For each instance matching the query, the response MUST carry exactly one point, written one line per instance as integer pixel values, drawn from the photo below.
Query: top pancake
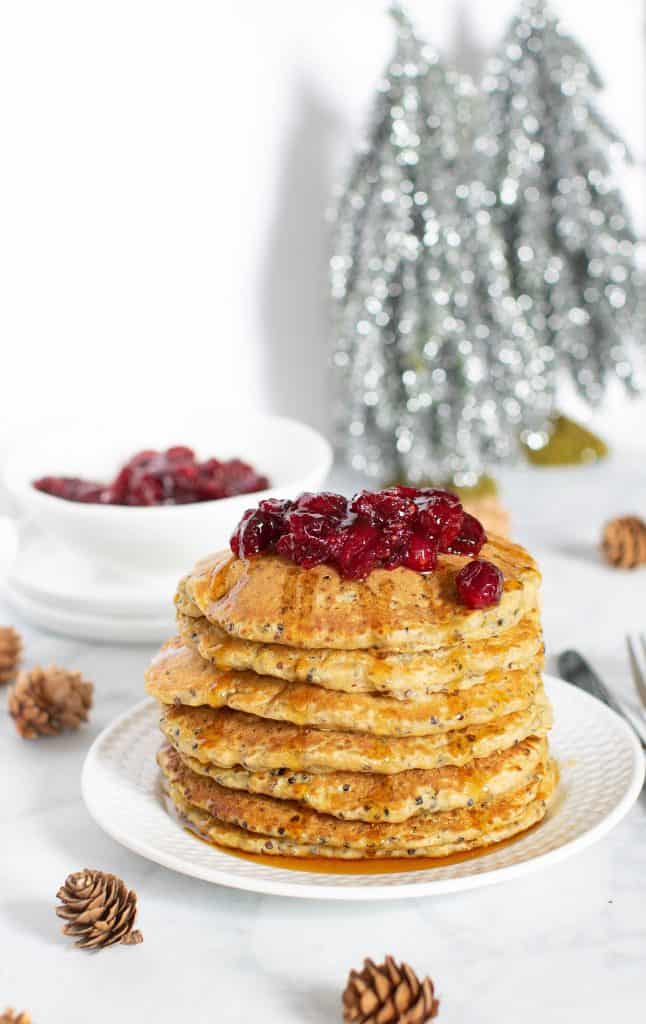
(271, 600)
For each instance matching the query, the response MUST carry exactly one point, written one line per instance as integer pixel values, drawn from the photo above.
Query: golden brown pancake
(231, 738)
(271, 600)
(357, 796)
(403, 676)
(290, 820)
(178, 675)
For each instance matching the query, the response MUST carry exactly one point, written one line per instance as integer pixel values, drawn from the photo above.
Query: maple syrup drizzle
(367, 866)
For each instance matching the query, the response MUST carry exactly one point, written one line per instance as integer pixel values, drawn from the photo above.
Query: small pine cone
(45, 701)
(10, 651)
(99, 908)
(388, 993)
(624, 542)
(11, 1017)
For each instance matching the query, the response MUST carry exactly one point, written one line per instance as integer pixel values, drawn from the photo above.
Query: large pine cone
(388, 994)
(99, 908)
(11, 1017)
(624, 542)
(44, 701)
(10, 651)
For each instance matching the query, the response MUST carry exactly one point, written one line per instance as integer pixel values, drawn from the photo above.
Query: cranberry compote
(172, 477)
(398, 526)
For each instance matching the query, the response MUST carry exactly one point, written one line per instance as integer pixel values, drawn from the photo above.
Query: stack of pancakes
(310, 715)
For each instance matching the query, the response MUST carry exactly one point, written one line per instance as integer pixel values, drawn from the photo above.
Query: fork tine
(638, 675)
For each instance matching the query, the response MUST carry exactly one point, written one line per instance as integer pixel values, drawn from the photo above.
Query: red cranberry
(306, 525)
(142, 458)
(393, 544)
(421, 553)
(479, 584)
(471, 537)
(146, 489)
(256, 533)
(358, 556)
(440, 518)
(277, 506)
(287, 547)
(308, 553)
(305, 537)
(186, 474)
(326, 503)
(180, 453)
(384, 506)
(71, 488)
(238, 477)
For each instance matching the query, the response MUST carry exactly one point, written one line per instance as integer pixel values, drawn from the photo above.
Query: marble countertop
(567, 944)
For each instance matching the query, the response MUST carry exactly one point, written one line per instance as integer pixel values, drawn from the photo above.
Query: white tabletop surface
(566, 945)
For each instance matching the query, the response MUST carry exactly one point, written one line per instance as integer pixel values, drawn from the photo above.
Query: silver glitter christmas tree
(437, 371)
(569, 241)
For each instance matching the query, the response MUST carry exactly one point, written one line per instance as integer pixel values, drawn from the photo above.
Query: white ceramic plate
(602, 772)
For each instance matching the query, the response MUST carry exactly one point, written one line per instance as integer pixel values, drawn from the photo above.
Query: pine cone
(11, 1017)
(44, 701)
(388, 994)
(99, 908)
(10, 651)
(624, 542)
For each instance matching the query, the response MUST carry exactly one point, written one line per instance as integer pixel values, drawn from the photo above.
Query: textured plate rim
(308, 885)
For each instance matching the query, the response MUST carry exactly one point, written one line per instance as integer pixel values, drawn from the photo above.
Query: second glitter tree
(437, 371)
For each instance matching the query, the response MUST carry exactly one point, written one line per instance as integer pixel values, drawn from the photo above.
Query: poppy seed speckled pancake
(362, 797)
(402, 676)
(178, 675)
(271, 600)
(230, 738)
(293, 821)
(235, 838)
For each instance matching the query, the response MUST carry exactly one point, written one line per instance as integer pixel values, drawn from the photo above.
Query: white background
(165, 171)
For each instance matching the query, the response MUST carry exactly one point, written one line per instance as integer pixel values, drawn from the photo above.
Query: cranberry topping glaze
(172, 477)
(398, 526)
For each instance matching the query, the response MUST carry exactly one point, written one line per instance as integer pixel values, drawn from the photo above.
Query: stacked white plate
(56, 589)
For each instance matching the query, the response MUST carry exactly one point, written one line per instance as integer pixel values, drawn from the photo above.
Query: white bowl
(164, 540)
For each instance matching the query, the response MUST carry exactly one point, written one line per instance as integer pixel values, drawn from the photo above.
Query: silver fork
(637, 656)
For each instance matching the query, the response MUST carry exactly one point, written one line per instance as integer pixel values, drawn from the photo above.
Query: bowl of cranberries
(135, 499)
